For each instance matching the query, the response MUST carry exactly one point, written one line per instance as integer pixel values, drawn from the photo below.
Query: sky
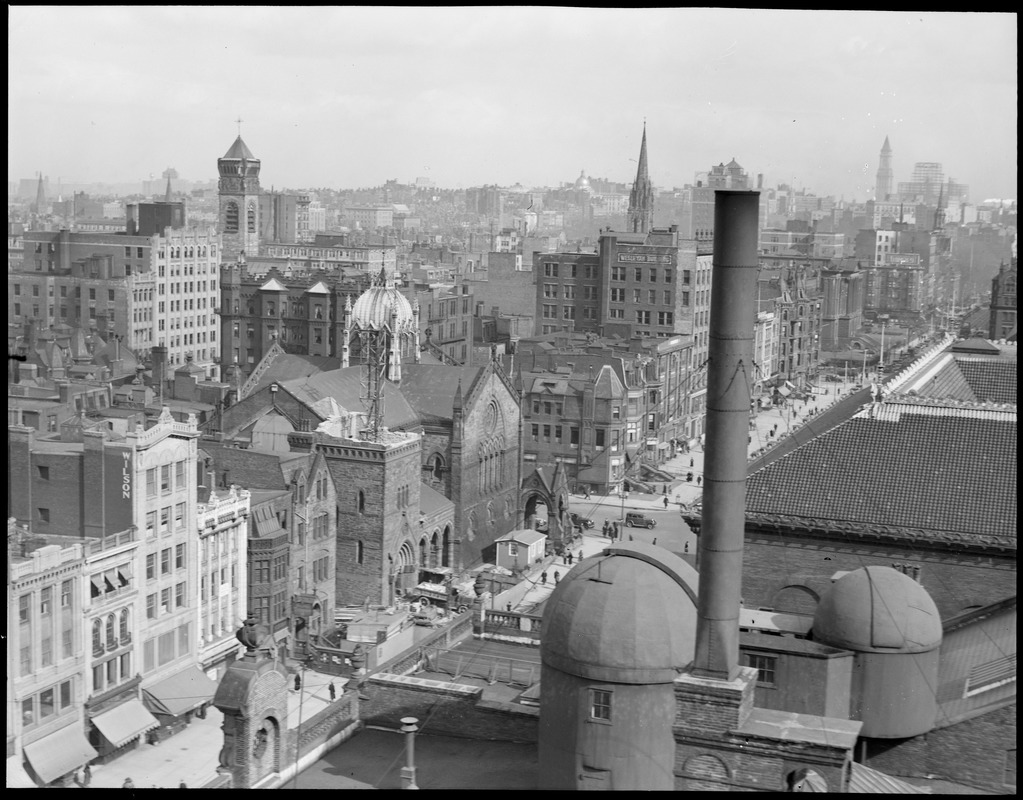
(347, 97)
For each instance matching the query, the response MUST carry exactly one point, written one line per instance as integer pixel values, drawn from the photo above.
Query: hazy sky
(353, 96)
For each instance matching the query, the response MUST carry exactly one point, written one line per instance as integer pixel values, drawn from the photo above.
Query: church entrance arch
(548, 493)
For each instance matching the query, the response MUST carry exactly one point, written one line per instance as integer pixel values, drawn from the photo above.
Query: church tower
(641, 199)
(885, 176)
(239, 202)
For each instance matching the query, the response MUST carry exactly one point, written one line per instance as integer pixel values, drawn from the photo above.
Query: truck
(440, 587)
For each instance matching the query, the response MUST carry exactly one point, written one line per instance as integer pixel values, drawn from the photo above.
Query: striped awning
(180, 693)
(59, 753)
(125, 722)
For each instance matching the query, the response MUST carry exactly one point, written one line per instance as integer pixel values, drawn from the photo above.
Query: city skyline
(352, 97)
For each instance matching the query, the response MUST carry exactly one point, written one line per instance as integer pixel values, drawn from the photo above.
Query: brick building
(1003, 303)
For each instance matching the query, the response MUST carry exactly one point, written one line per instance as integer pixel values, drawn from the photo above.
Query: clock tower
(239, 202)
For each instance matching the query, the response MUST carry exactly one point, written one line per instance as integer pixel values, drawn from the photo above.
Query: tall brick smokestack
(730, 375)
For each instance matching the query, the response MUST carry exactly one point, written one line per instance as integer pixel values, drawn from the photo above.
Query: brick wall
(971, 752)
(955, 581)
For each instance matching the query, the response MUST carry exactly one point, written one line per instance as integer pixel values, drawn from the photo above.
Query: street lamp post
(625, 496)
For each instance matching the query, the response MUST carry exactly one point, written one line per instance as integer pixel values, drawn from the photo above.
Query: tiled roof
(992, 381)
(346, 387)
(430, 389)
(928, 470)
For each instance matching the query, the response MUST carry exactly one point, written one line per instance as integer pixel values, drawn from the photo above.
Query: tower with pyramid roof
(885, 175)
(641, 199)
(239, 202)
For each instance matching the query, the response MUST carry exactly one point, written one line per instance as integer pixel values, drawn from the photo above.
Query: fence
(510, 623)
(493, 669)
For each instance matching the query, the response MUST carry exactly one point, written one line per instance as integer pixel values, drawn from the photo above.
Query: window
(765, 666)
(665, 318)
(179, 595)
(667, 276)
(44, 473)
(618, 295)
(65, 694)
(600, 705)
(636, 295)
(685, 298)
(643, 317)
(600, 436)
(65, 594)
(150, 566)
(618, 273)
(687, 277)
(179, 474)
(46, 601)
(151, 521)
(550, 270)
(573, 436)
(991, 675)
(123, 632)
(44, 514)
(28, 716)
(652, 297)
(151, 606)
(165, 561)
(165, 478)
(179, 516)
(165, 600)
(179, 556)
(165, 519)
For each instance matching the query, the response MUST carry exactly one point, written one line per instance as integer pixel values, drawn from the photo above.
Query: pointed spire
(886, 147)
(40, 196)
(456, 404)
(167, 195)
(641, 199)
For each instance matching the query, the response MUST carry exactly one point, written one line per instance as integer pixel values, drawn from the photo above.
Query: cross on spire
(239, 121)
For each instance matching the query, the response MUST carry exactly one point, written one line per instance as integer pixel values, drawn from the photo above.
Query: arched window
(111, 631)
(270, 309)
(252, 218)
(125, 635)
(438, 467)
(359, 554)
(231, 218)
(362, 502)
(422, 552)
(97, 635)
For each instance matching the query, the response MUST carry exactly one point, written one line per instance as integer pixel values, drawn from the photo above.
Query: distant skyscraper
(641, 199)
(885, 175)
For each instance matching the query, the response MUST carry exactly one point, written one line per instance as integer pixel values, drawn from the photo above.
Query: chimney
(730, 374)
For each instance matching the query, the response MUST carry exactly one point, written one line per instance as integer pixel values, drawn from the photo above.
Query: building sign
(903, 259)
(644, 258)
(118, 488)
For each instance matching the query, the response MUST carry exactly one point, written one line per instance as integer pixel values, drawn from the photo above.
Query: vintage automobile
(636, 520)
(579, 521)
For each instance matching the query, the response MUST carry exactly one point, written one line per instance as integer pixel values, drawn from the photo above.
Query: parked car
(636, 520)
(579, 521)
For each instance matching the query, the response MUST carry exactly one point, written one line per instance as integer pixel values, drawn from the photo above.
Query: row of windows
(165, 520)
(111, 293)
(46, 601)
(117, 632)
(161, 477)
(46, 703)
(217, 579)
(164, 601)
(265, 570)
(166, 561)
(166, 647)
(321, 569)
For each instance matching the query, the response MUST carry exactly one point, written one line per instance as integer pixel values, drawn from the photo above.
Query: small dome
(372, 311)
(626, 615)
(582, 182)
(878, 610)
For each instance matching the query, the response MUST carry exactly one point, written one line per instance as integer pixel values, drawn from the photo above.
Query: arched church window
(252, 218)
(97, 635)
(359, 554)
(362, 502)
(125, 635)
(437, 468)
(270, 308)
(231, 218)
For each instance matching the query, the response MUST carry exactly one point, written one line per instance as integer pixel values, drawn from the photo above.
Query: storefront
(174, 701)
(54, 758)
(120, 728)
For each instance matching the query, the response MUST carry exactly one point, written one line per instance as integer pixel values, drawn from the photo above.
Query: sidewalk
(192, 755)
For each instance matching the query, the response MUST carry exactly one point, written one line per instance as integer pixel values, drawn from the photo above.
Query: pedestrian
(630, 537)
(614, 532)
(543, 577)
(557, 577)
(606, 526)
(664, 489)
(685, 549)
(689, 477)
(87, 774)
(298, 682)
(508, 607)
(333, 691)
(690, 462)
(128, 784)
(666, 501)
(699, 479)
(655, 540)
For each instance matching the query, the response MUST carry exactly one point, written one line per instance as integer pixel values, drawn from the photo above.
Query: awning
(180, 692)
(126, 722)
(59, 753)
(783, 391)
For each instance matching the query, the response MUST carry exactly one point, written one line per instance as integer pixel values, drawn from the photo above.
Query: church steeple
(40, 196)
(641, 199)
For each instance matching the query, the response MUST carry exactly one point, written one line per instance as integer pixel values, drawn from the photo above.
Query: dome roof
(878, 610)
(626, 615)
(582, 182)
(373, 309)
